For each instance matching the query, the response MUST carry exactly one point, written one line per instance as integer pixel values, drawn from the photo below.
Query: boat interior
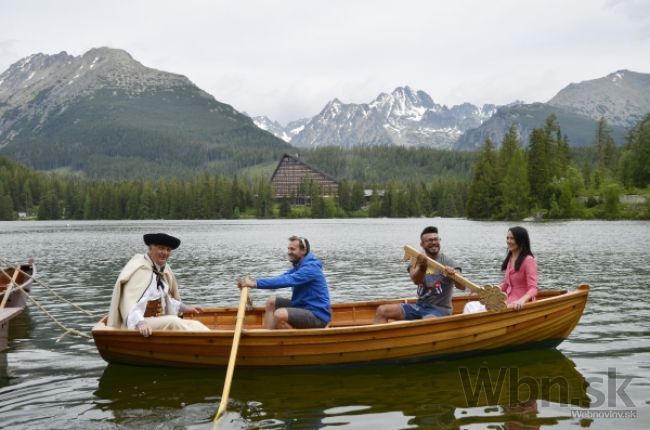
(343, 314)
(8, 272)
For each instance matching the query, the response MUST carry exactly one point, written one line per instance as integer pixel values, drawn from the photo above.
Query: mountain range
(410, 118)
(105, 115)
(622, 98)
(404, 117)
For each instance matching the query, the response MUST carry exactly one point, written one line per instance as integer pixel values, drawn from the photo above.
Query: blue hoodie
(309, 286)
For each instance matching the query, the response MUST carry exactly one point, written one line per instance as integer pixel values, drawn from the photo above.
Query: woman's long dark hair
(522, 240)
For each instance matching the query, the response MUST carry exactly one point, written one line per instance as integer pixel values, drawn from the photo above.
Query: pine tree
(387, 201)
(482, 201)
(508, 148)
(344, 195)
(6, 205)
(133, 192)
(357, 196)
(539, 169)
(146, 207)
(557, 147)
(49, 208)
(425, 201)
(400, 204)
(27, 196)
(374, 208)
(638, 147)
(605, 146)
(586, 174)
(413, 200)
(88, 207)
(515, 188)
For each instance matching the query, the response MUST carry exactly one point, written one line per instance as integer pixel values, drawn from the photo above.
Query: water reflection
(501, 389)
(21, 327)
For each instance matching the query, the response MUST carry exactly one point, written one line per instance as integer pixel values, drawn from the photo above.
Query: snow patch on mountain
(274, 127)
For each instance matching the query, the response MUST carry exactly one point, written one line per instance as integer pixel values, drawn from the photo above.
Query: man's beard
(432, 251)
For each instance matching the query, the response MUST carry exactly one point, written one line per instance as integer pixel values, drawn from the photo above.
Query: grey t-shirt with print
(436, 290)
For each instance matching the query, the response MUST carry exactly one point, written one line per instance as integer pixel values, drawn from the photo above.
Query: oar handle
(411, 253)
(233, 356)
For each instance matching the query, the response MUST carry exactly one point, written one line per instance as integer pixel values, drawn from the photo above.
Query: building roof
(297, 159)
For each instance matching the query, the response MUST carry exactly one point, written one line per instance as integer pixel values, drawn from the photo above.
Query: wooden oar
(233, 356)
(490, 295)
(9, 287)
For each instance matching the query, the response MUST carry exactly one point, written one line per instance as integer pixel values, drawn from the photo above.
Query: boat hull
(351, 338)
(6, 314)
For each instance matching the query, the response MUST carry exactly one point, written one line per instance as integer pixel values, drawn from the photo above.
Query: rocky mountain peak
(113, 54)
(274, 127)
(403, 102)
(335, 105)
(40, 85)
(403, 117)
(407, 96)
(622, 97)
(617, 76)
(68, 76)
(28, 71)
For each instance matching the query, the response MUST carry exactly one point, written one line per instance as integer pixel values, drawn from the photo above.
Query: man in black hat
(146, 294)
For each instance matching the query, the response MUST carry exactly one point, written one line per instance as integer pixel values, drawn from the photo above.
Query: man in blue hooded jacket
(309, 306)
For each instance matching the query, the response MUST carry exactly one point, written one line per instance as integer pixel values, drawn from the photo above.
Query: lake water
(603, 368)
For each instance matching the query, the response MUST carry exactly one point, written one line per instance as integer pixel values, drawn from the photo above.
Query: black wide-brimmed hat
(161, 239)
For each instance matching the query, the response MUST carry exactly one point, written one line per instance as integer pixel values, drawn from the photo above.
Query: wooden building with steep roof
(292, 172)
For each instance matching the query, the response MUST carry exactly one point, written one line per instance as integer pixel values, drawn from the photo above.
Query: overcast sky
(287, 59)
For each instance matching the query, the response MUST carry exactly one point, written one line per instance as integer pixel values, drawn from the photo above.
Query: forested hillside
(127, 143)
(386, 163)
(543, 179)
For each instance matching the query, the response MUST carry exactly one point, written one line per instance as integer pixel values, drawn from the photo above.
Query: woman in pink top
(520, 272)
(520, 278)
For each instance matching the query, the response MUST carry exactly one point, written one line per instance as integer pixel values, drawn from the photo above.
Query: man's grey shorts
(299, 317)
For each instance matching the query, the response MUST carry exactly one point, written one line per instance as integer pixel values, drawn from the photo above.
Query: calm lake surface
(603, 368)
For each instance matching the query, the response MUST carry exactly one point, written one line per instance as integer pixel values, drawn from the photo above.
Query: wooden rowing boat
(351, 337)
(17, 297)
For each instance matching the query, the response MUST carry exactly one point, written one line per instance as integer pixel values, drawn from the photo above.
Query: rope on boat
(66, 330)
(50, 289)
